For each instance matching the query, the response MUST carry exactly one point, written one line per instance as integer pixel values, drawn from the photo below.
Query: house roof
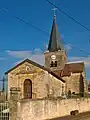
(55, 43)
(37, 65)
(70, 68)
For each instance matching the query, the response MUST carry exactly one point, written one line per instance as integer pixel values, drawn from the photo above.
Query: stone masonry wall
(56, 87)
(85, 83)
(60, 58)
(43, 83)
(73, 82)
(17, 77)
(42, 109)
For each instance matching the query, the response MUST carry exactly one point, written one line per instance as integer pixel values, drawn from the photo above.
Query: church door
(27, 89)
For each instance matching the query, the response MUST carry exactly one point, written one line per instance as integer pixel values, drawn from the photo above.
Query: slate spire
(55, 43)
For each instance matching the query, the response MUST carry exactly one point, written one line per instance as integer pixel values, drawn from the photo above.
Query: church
(54, 79)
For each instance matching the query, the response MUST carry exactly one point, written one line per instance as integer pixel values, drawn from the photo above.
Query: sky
(20, 40)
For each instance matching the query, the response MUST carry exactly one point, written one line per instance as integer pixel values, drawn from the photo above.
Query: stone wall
(61, 59)
(17, 77)
(3, 96)
(43, 83)
(73, 82)
(56, 87)
(42, 109)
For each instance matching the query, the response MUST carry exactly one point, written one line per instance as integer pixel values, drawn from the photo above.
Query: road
(82, 116)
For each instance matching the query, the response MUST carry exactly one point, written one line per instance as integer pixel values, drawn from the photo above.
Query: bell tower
(55, 56)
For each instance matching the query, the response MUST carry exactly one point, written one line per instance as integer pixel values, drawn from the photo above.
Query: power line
(69, 16)
(77, 48)
(24, 21)
(31, 25)
(39, 29)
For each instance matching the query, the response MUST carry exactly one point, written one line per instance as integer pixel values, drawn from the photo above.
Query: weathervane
(54, 10)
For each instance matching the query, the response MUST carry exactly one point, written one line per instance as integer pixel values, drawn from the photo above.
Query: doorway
(27, 89)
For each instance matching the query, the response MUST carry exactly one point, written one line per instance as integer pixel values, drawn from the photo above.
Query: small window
(55, 63)
(51, 64)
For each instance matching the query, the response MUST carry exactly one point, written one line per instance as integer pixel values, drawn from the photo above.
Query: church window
(51, 64)
(55, 63)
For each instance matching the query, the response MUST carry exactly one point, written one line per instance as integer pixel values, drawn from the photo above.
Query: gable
(25, 66)
(28, 66)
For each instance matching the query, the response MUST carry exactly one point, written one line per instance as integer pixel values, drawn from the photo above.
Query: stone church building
(55, 78)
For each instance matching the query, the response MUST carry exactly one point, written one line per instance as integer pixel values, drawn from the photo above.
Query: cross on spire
(54, 11)
(55, 43)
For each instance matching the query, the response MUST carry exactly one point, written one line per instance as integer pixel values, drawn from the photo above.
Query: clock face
(53, 57)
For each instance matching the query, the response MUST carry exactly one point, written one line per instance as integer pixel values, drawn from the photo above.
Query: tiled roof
(70, 68)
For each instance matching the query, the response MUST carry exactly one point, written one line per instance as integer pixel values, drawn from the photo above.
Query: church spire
(55, 43)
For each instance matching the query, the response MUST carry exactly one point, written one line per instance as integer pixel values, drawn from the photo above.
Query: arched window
(27, 89)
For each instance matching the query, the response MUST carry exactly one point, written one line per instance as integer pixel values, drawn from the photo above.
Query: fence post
(13, 108)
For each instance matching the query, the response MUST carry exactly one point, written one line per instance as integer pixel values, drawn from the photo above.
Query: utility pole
(3, 81)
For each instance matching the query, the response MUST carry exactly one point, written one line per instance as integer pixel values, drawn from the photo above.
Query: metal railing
(4, 111)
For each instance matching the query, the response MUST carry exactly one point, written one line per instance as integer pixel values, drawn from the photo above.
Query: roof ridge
(74, 62)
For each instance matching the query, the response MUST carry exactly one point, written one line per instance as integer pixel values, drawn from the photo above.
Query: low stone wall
(42, 109)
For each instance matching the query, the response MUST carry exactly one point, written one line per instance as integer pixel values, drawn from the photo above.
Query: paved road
(82, 116)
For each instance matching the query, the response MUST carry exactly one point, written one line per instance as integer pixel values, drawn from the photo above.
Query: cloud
(14, 64)
(36, 55)
(86, 60)
(37, 51)
(23, 54)
(39, 58)
(19, 54)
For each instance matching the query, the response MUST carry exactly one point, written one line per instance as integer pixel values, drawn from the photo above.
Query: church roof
(71, 68)
(37, 65)
(55, 43)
